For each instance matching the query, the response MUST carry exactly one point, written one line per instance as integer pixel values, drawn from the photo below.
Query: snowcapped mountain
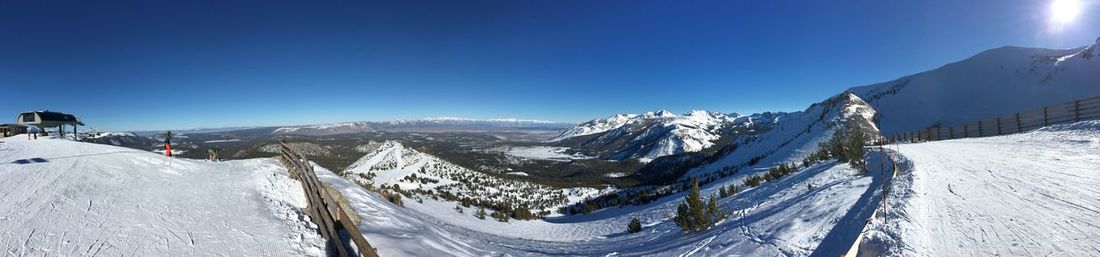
(794, 135)
(595, 126)
(427, 124)
(995, 82)
(390, 164)
(655, 134)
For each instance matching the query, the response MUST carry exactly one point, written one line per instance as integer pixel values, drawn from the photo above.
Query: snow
(113, 134)
(797, 134)
(66, 198)
(1031, 194)
(655, 134)
(544, 153)
(595, 126)
(992, 83)
(782, 217)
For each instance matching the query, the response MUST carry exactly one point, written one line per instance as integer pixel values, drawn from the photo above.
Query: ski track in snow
(1032, 194)
(82, 199)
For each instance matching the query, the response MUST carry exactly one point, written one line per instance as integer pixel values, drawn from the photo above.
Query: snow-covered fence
(333, 221)
(1067, 112)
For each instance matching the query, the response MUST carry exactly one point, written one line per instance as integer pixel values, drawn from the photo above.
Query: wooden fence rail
(323, 210)
(1067, 112)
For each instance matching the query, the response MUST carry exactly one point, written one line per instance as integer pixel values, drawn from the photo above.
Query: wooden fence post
(1019, 128)
(1077, 111)
(979, 128)
(1045, 121)
(998, 126)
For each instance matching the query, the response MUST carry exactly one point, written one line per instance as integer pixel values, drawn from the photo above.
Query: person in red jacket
(168, 144)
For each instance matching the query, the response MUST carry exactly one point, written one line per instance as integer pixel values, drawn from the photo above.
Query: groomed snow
(1031, 194)
(65, 198)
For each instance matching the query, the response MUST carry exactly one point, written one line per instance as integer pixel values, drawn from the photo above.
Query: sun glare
(1063, 12)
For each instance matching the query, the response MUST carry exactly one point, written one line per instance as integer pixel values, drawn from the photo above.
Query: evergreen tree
(481, 213)
(635, 225)
(854, 146)
(695, 215)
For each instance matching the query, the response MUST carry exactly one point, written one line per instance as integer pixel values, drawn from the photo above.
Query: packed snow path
(1032, 194)
(65, 198)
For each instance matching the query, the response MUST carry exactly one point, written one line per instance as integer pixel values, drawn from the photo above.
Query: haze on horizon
(140, 65)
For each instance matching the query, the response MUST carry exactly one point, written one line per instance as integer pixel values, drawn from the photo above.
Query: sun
(1063, 12)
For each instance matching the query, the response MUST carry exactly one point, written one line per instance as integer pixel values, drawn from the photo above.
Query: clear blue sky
(151, 65)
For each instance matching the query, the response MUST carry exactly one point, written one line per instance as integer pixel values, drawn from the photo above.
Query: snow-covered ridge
(391, 163)
(992, 83)
(654, 134)
(796, 135)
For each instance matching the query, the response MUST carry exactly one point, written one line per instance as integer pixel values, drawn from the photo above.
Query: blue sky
(146, 65)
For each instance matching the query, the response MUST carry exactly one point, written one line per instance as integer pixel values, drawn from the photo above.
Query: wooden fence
(1068, 112)
(333, 221)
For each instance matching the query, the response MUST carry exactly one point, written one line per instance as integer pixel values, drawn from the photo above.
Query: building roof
(55, 118)
(11, 126)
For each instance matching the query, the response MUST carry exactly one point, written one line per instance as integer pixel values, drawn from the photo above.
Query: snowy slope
(992, 83)
(595, 126)
(391, 163)
(1032, 194)
(795, 135)
(778, 218)
(65, 198)
(655, 134)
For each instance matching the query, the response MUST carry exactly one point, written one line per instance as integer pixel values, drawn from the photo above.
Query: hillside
(390, 164)
(992, 83)
(656, 134)
(793, 137)
(1031, 194)
(59, 197)
(777, 218)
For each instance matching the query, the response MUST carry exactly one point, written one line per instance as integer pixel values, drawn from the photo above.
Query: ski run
(1017, 195)
(64, 198)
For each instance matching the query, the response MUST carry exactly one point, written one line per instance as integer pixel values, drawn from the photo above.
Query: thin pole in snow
(882, 172)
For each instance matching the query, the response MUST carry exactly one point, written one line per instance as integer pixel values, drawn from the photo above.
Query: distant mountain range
(655, 134)
(426, 125)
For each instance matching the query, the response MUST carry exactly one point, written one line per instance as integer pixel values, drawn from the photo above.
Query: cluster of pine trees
(695, 215)
(848, 147)
(727, 191)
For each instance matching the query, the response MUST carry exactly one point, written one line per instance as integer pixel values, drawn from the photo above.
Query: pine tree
(722, 192)
(854, 146)
(635, 225)
(481, 213)
(695, 215)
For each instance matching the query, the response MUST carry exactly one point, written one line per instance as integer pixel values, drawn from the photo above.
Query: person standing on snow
(168, 144)
(32, 132)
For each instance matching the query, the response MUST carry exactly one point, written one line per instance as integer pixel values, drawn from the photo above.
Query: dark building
(12, 129)
(48, 119)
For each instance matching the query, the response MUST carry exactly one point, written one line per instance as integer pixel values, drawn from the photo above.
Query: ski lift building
(48, 119)
(12, 129)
